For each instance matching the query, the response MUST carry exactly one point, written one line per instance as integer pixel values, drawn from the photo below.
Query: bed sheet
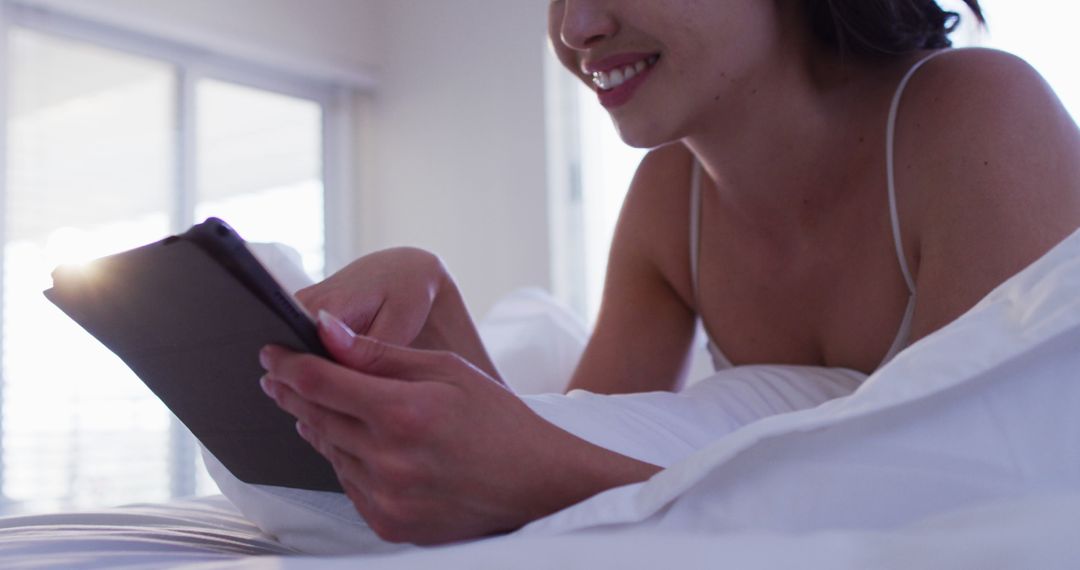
(1034, 532)
(137, 536)
(207, 534)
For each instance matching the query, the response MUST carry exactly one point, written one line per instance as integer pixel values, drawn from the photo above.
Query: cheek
(735, 56)
(739, 34)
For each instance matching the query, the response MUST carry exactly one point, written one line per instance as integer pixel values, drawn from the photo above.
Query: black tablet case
(192, 331)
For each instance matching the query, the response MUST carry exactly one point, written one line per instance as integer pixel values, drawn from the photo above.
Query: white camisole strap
(903, 336)
(720, 361)
(890, 168)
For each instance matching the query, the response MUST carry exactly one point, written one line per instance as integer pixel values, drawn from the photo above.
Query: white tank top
(720, 361)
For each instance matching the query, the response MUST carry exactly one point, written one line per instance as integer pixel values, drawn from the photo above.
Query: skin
(426, 312)
(797, 259)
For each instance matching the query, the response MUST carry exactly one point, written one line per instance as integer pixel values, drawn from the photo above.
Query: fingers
(322, 427)
(350, 469)
(379, 358)
(342, 440)
(351, 472)
(327, 384)
(377, 500)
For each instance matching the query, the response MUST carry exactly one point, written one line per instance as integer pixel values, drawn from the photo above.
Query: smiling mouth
(608, 80)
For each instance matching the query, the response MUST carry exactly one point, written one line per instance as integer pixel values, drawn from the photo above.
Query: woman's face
(660, 67)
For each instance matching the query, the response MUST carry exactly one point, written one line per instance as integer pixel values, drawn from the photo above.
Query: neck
(772, 147)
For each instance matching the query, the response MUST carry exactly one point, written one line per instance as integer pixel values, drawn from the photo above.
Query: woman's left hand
(429, 448)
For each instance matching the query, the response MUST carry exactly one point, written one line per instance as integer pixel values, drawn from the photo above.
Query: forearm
(581, 470)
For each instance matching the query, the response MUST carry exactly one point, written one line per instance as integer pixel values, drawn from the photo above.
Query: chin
(644, 136)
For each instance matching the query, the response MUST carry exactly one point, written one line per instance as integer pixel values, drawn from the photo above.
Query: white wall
(451, 143)
(458, 143)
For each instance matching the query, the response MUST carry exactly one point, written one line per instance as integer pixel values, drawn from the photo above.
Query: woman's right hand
(402, 296)
(387, 295)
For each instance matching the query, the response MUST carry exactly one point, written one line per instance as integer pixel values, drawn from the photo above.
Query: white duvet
(963, 452)
(981, 415)
(986, 410)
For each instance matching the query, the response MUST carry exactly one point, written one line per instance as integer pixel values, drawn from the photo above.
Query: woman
(849, 187)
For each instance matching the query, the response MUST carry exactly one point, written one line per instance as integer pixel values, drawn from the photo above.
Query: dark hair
(884, 27)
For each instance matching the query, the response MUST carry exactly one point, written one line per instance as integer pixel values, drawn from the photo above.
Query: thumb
(370, 355)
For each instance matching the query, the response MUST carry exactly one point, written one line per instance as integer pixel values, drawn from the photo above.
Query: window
(590, 170)
(259, 166)
(607, 166)
(114, 141)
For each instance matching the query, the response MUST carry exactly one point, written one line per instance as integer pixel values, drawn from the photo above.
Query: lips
(617, 77)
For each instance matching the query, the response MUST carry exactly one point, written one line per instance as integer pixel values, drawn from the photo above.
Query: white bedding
(137, 536)
(963, 452)
(1032, 533)
(1036, 532)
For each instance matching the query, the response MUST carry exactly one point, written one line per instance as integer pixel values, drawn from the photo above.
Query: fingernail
(264, 358)
(303, 430)
(341, 334)
(267, 386)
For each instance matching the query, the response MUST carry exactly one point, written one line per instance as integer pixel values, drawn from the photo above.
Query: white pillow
(283, 262)
(663, 428)
(658, 427)
(314, 522)
(534, 341)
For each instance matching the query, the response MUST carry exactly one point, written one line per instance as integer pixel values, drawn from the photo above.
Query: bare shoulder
(982, 127)
(970, 106)
(980, 90)
(988, 161)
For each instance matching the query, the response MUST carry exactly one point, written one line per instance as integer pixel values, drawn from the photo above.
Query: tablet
(188, 315)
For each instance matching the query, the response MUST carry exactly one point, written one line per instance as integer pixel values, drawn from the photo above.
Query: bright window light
(93, 156)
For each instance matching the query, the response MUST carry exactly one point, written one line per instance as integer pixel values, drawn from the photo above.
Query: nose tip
(587, 26)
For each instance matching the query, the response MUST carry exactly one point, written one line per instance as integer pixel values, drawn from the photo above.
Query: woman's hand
(429, 448)
(403, 296)
(387, 295)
